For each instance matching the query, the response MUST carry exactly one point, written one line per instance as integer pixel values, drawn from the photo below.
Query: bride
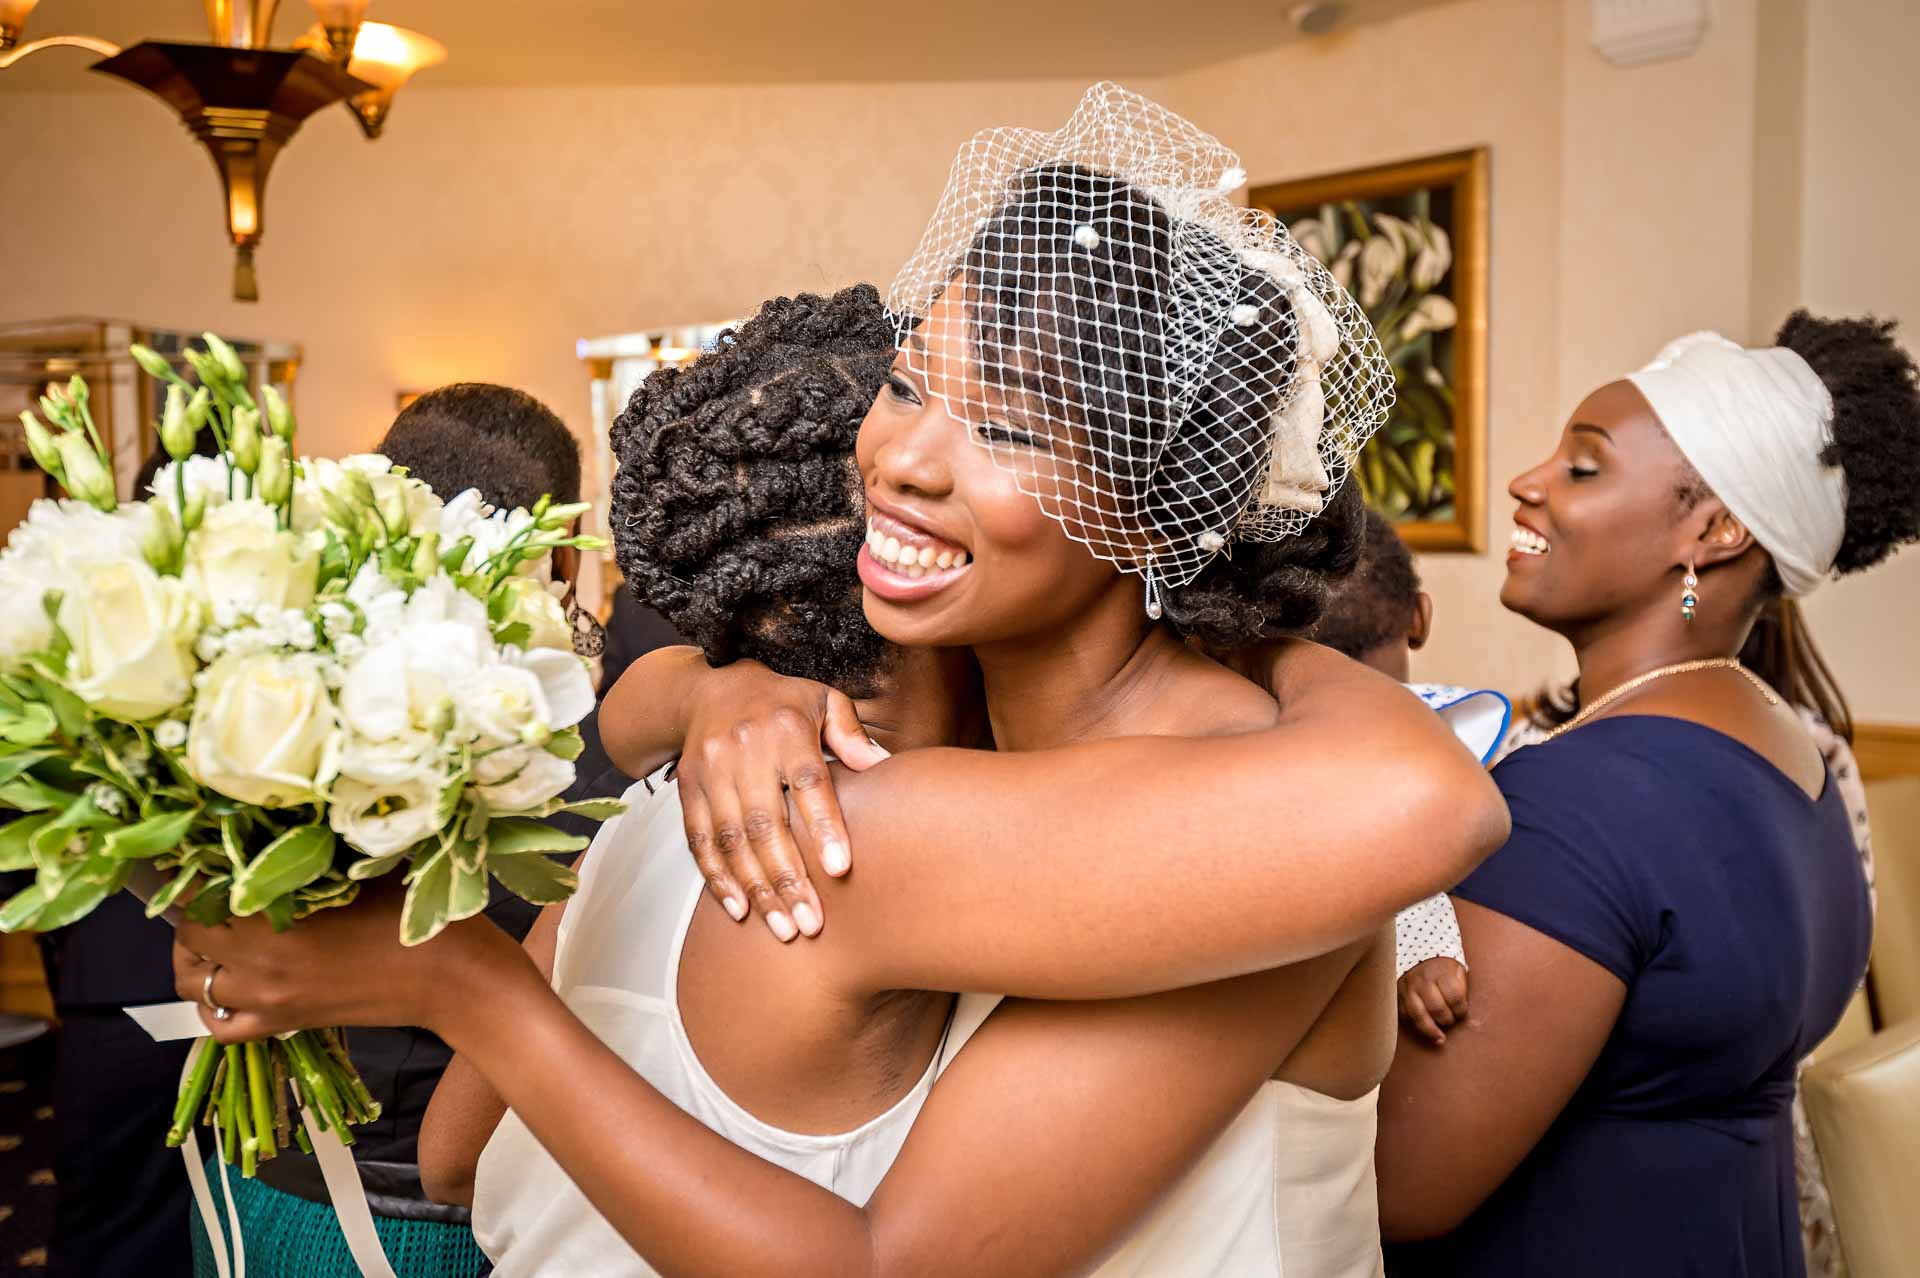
(1049, 435)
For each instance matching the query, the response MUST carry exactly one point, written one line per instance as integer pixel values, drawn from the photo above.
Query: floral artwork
(1409, 243)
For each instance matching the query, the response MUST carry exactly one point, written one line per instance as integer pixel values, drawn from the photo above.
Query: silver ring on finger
(206, 996)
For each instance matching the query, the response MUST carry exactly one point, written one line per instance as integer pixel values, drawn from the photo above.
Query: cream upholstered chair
(1893, 809)
(1864, 1104)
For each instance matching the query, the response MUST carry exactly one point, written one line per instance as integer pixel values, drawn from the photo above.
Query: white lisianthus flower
(413, 756)
(382, 604)
(563, 680)
(384, 819)
(206, 477)
(519, 777)
(468, 515)
(132, 633)
(503, 705)
(403, 682)
(25, 627)
(535, 607)
(240, 557)
(264, 730)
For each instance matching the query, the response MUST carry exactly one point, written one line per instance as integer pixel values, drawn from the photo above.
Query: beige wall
(490, 229)
(1860, 255)
(1440, 80)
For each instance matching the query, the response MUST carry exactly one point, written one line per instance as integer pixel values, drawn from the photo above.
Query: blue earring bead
(1689, 601)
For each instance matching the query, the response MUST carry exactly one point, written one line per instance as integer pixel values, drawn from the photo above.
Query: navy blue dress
(1734, 909)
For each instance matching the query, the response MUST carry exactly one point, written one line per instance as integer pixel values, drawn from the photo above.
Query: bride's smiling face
(956, 554)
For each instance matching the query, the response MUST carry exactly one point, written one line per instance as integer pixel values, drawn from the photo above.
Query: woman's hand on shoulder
(754, 740)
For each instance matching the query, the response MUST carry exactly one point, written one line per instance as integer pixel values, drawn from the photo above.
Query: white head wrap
(1754, 423)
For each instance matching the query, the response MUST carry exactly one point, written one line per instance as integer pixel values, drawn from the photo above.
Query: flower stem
(194, 1092)
(259, 1089)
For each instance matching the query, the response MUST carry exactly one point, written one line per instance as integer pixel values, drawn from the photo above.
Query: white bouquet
(271, 681)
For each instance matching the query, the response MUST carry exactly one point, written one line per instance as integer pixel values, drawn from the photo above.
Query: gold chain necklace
(1684, 667)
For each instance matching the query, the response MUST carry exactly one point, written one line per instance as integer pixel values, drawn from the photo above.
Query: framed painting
(1409, 242)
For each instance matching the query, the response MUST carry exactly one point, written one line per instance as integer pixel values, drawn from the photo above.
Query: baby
(1380, 616)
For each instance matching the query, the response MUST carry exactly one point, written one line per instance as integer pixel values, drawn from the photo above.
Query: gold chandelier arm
(104, 48)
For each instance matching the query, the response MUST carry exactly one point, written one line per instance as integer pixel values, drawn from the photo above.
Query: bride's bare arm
(1057, 1127)
(1122, 867)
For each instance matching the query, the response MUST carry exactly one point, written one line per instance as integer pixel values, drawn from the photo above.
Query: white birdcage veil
(1165, 371)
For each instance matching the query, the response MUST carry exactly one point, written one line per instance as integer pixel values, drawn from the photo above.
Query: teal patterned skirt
(289, 1237)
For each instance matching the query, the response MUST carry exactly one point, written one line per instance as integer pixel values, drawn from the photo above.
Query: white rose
(535, 607)
(24, 625)
(520, 777)
(240, 557)
(382, 820)
(264, 730)
(132, 633)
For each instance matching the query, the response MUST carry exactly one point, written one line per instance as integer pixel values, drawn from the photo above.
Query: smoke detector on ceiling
(1317, 17)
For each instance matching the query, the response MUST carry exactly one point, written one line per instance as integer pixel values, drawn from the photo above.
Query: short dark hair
(738, 508)
(1378, 602)
(451, 459)
(430, 432)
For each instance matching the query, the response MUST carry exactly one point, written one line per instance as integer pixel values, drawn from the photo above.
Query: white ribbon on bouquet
(170, 1022)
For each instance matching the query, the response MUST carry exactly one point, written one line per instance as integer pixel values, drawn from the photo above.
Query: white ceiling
(565, 42)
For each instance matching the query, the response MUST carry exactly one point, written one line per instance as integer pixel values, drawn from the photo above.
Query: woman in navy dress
(1680, 913)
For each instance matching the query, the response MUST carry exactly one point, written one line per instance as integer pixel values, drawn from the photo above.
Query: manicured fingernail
(835, 859)
(736, 907)
(884, 752)
(809, 921)
(781, 925)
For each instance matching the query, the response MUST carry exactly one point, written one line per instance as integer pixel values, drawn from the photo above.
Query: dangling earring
(1689, 601)
(589, 636)
(1153, 594)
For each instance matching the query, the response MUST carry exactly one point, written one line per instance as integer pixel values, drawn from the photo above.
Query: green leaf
(19, 913)
(50, 840)
(293, 860)
(16, 852)
(450, 799)
(374, 866)
(455, 555)
(28, 793)
(425, 911)
(163, 900)
(514, 636)
(69, 710)
(209, 908)
(591, 809)
(536, 879)
(97, 879)
(467, 854)
(511, 836)
(566, 744)
(150, 837)
(280, 912)
(32, 725)
(467, 895)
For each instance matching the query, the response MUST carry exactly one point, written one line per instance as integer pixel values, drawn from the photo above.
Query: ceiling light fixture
(244, 100)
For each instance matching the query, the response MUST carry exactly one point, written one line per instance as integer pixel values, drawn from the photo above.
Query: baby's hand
(1433, 996)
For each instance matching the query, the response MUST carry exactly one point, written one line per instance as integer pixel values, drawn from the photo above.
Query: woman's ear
(1723, 538)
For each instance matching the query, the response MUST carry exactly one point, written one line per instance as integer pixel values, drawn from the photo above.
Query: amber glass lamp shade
(13, 20)
(386, 57)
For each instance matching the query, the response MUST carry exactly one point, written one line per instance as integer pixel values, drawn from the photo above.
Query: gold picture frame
(1425, 287)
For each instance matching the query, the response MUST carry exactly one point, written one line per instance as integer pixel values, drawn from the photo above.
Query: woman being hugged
(1680, 914)
(1107, 374)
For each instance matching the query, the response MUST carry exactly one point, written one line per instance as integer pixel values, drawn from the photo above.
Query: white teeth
(959, 559)
(890, 550)
(1529, 542)
(944, 559)
(911, 561)
(926, 556)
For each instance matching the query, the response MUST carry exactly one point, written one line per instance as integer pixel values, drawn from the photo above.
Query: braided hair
(738, 508)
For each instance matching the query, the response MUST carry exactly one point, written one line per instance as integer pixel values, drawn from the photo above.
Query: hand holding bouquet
(270, 682)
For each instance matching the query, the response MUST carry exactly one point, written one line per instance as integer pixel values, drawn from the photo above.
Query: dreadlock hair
(738, 508)
(1377, 604)
(1875, 388)
(1084, 357)
(451, 417)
